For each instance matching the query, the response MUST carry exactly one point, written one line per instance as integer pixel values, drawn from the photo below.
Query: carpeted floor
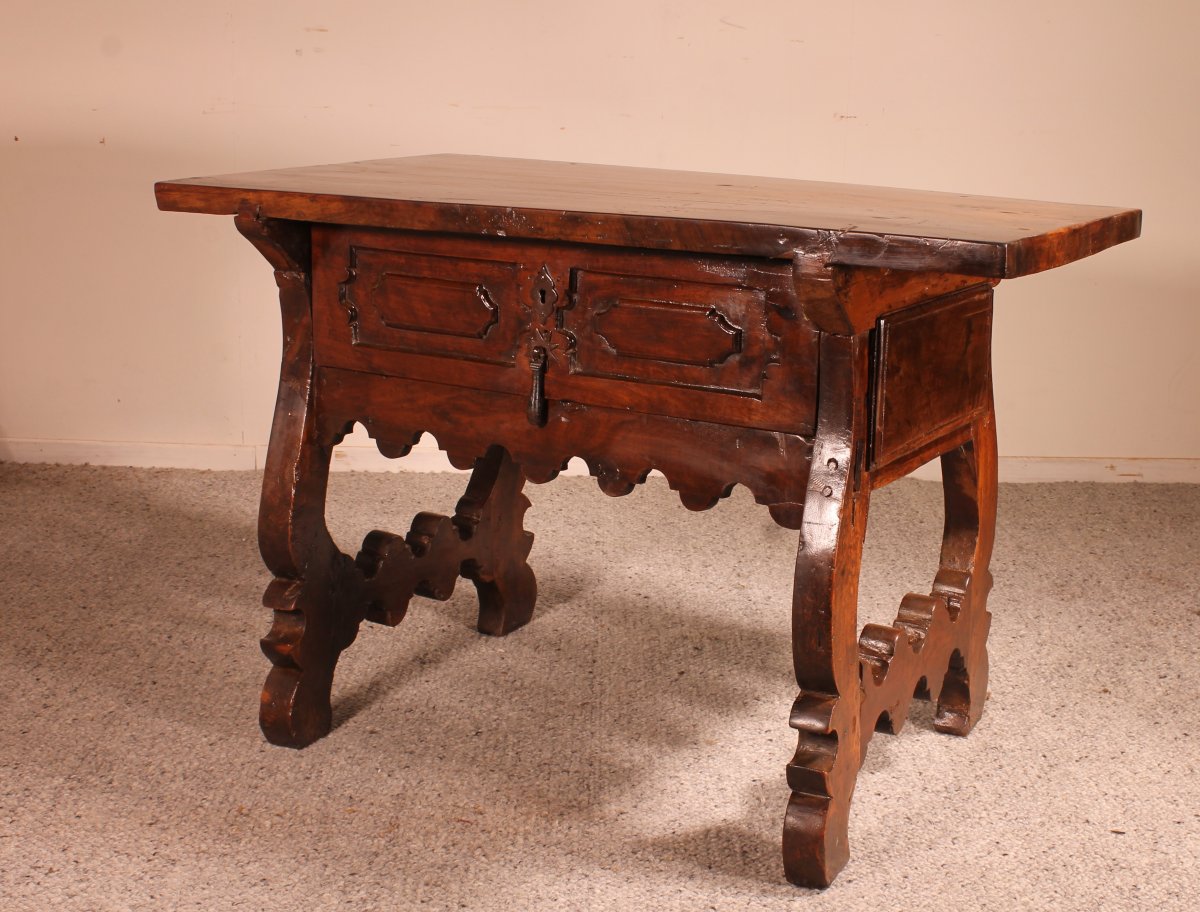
(624, 751)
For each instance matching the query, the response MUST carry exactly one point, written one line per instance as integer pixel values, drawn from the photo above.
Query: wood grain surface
(676, 210)
(812, 342)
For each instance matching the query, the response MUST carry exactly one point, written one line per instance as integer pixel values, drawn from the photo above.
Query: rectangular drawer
(706, 338)
(415, 306)
(439, 305)
(655, 330)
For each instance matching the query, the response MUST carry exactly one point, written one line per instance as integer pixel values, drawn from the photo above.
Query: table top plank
(673, 210)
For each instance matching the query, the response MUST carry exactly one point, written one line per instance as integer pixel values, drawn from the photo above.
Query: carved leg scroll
(320, 595)
(312, 620)
(936, 648)
(963, 580)
(484, 542)
(825, 627)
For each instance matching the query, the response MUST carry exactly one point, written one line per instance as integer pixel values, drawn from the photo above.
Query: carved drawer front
(441, 305)
(704, 338)
(669, 332)
(420, 306)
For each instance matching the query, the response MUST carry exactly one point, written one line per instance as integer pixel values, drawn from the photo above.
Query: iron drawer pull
(536, 412)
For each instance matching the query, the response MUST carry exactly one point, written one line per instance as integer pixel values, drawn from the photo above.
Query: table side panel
(932, 372)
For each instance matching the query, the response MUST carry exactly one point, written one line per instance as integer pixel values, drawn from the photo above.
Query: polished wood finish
(616, 326)
(319, 595)
(932, 371)
(853, 684)
(620, 446)
(877, 227)
(809, 341)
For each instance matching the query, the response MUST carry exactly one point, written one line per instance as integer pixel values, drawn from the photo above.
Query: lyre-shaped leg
(937, 646)
(319, 595)
(824, 625)
(317, 613)
(312, 620)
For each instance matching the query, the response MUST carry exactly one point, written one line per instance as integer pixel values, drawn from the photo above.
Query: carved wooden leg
(484, 542)
(493, 508)
(936, 648)
(963, 580)
(821, 775)
(319, 595)
(318, 611)
(313, 593)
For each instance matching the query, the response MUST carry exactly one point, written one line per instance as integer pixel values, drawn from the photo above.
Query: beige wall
(129, 328)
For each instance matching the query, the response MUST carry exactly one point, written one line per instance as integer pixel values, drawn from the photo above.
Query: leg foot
(815, 847)
(505, 601)
(821, 775)
(311, 628)
(963, 692)
(295, 708)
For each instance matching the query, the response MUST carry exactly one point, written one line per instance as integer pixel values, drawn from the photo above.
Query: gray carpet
(624, 751)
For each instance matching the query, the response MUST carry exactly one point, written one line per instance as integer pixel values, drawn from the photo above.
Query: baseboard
(1034, 469)
(359, 455)
(120, 453)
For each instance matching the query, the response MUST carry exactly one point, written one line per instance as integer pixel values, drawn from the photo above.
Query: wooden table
(810, 341)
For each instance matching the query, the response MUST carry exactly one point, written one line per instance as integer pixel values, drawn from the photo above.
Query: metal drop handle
(536, 411)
